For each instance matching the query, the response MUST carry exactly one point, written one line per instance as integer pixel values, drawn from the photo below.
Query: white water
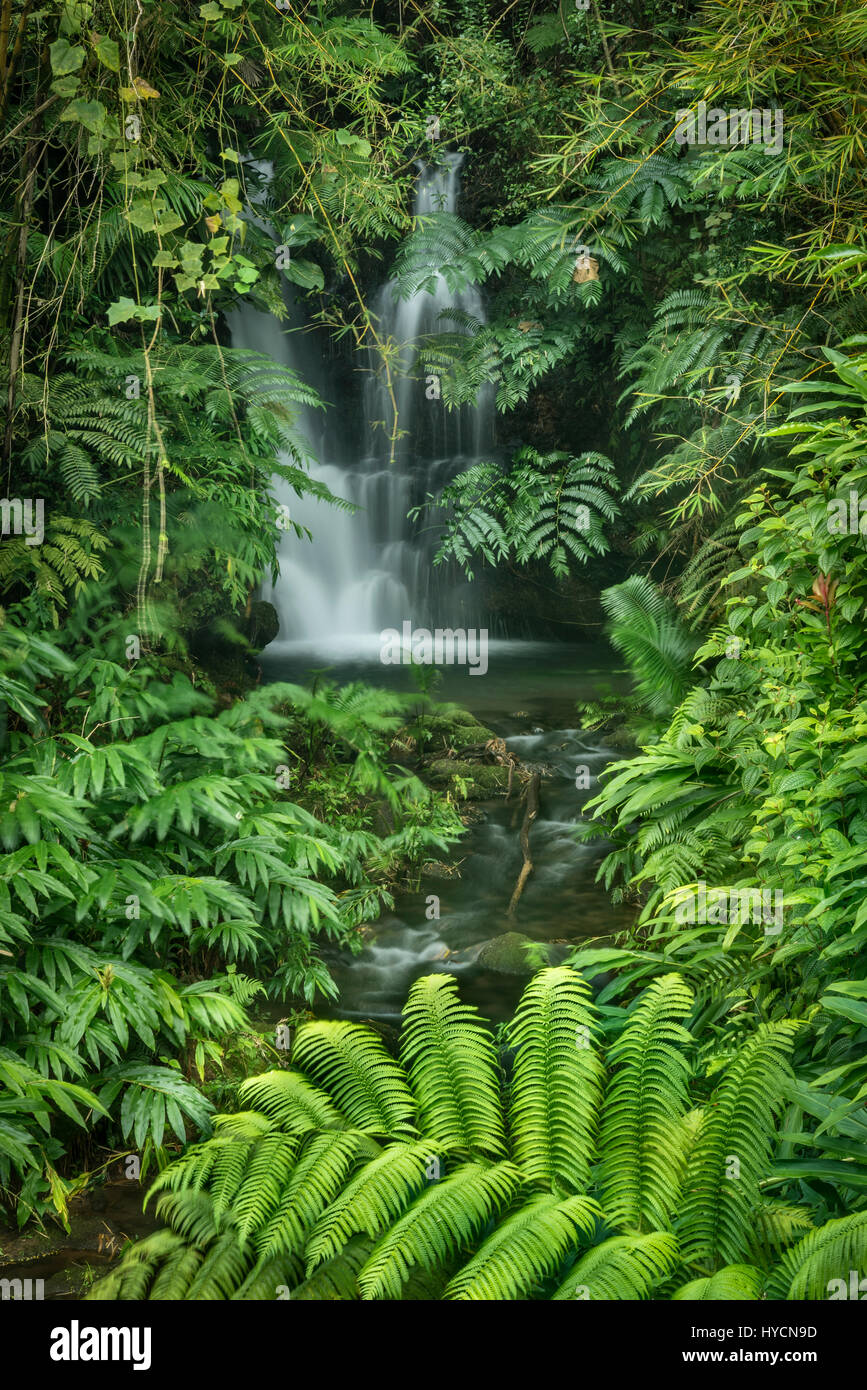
(370, 569)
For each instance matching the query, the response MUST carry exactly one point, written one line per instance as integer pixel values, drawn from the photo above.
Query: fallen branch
(530, 813)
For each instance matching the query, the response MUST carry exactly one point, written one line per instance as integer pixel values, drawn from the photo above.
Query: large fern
(293, 1192)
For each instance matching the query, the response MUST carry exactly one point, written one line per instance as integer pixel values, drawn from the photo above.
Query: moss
(483, 781)
(453, 730)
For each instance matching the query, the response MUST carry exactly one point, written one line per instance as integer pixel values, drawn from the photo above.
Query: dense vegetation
(676, 336)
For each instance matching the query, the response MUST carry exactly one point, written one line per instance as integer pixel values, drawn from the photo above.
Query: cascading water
(370, 569)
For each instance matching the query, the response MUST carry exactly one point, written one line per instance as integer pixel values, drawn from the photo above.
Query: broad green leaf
(65, 58)
(90, 114)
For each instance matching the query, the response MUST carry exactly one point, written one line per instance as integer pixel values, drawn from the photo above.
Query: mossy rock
(458, 730)
(483, 781)
(505, 955)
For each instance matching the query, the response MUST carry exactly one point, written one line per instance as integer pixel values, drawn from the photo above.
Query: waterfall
(371, 569)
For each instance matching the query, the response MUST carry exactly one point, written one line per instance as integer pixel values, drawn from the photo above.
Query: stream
(528, 698)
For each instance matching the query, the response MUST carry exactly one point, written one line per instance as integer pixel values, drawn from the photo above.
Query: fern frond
(291, 1101)
(732, 1150)
(557, 1080)
(732, 1282)
(825, 1255)
(647, 1097)
(351, 1063)
(452, 1066)
(621, 1268)
(525, 1250)
(377, 1196)
(439, 1223)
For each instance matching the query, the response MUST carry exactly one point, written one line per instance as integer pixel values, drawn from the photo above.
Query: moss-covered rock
(478, 781)
(458, 730)
(506, 954)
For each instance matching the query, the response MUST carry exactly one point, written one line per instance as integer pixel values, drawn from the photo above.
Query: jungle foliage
(675, 336)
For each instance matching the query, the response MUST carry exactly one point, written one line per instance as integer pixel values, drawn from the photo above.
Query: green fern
(732, 1149)
(525, 1250)
(452, 1068)
(732, 1282)
(644, 627)
(557, 1081)
(827, 1254)
(624, 1267)
(641, 1143)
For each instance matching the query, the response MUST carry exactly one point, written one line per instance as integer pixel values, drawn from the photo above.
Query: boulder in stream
(506, 954)
(456, 729)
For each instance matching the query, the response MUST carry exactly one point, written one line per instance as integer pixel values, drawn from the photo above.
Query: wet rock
(506, 954)
(261, 625)
(458, 730)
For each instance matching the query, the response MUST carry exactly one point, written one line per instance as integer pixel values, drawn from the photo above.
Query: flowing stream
(528, 698)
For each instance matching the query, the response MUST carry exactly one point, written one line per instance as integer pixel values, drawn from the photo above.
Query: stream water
(528, 698)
